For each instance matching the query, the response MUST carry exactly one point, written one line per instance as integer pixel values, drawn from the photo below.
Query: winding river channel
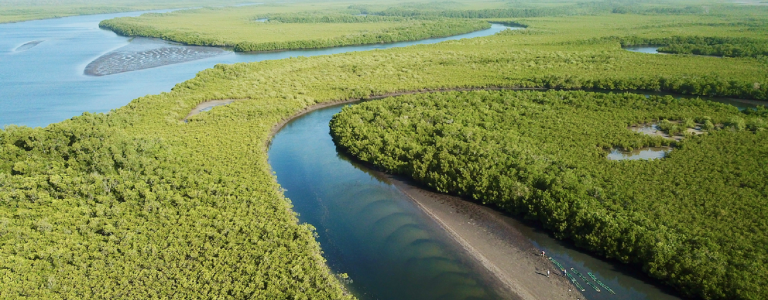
(367, 226)
(48, 74)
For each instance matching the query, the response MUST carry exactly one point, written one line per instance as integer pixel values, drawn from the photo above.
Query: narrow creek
(367, 227)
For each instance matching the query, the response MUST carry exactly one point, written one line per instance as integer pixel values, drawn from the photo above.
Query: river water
(46, 83)
(366, 226)
(369, 229)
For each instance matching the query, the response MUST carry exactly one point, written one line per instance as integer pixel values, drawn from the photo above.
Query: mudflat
(121, 61)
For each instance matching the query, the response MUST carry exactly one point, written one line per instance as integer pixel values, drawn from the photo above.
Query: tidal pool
(207, 106)
(649, 129)
(646, 153)
(644, 49)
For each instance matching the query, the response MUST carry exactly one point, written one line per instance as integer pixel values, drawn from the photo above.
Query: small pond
(646, 153)
(648, 129)
(644, 49)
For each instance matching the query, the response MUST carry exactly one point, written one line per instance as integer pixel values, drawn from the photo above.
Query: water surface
(644, 49)
(628, 282)
(369, 229)
(366, 226)
(47, 83)
(645, 153)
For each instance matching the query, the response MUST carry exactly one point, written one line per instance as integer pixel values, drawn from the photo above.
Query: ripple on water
(367, 227)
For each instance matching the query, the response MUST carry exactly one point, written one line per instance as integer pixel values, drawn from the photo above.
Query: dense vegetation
(237, 28)
(713, 46)
(696, 219)
(331, 18)
(138, 203)
(89, 211)
(412, 31)
(521, 10)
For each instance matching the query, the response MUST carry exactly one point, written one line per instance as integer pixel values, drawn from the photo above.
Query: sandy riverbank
(490, 239)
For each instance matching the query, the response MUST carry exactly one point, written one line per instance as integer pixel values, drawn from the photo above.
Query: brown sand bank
(497, 245)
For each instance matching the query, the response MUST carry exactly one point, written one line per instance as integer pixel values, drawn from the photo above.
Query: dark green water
(366, 226)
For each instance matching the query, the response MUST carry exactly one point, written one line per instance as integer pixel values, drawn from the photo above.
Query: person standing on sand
(547, 273)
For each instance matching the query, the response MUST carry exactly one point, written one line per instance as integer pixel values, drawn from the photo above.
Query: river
(367, 227)
(46, 83)
(371, 230)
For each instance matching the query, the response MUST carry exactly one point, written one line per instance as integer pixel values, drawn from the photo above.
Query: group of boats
(576, 282)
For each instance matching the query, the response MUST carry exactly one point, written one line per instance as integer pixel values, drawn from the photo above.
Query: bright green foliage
(696, 219)
(417, 30)
(90, 211)
(330, 18)
(713, 46)
(237, 28)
